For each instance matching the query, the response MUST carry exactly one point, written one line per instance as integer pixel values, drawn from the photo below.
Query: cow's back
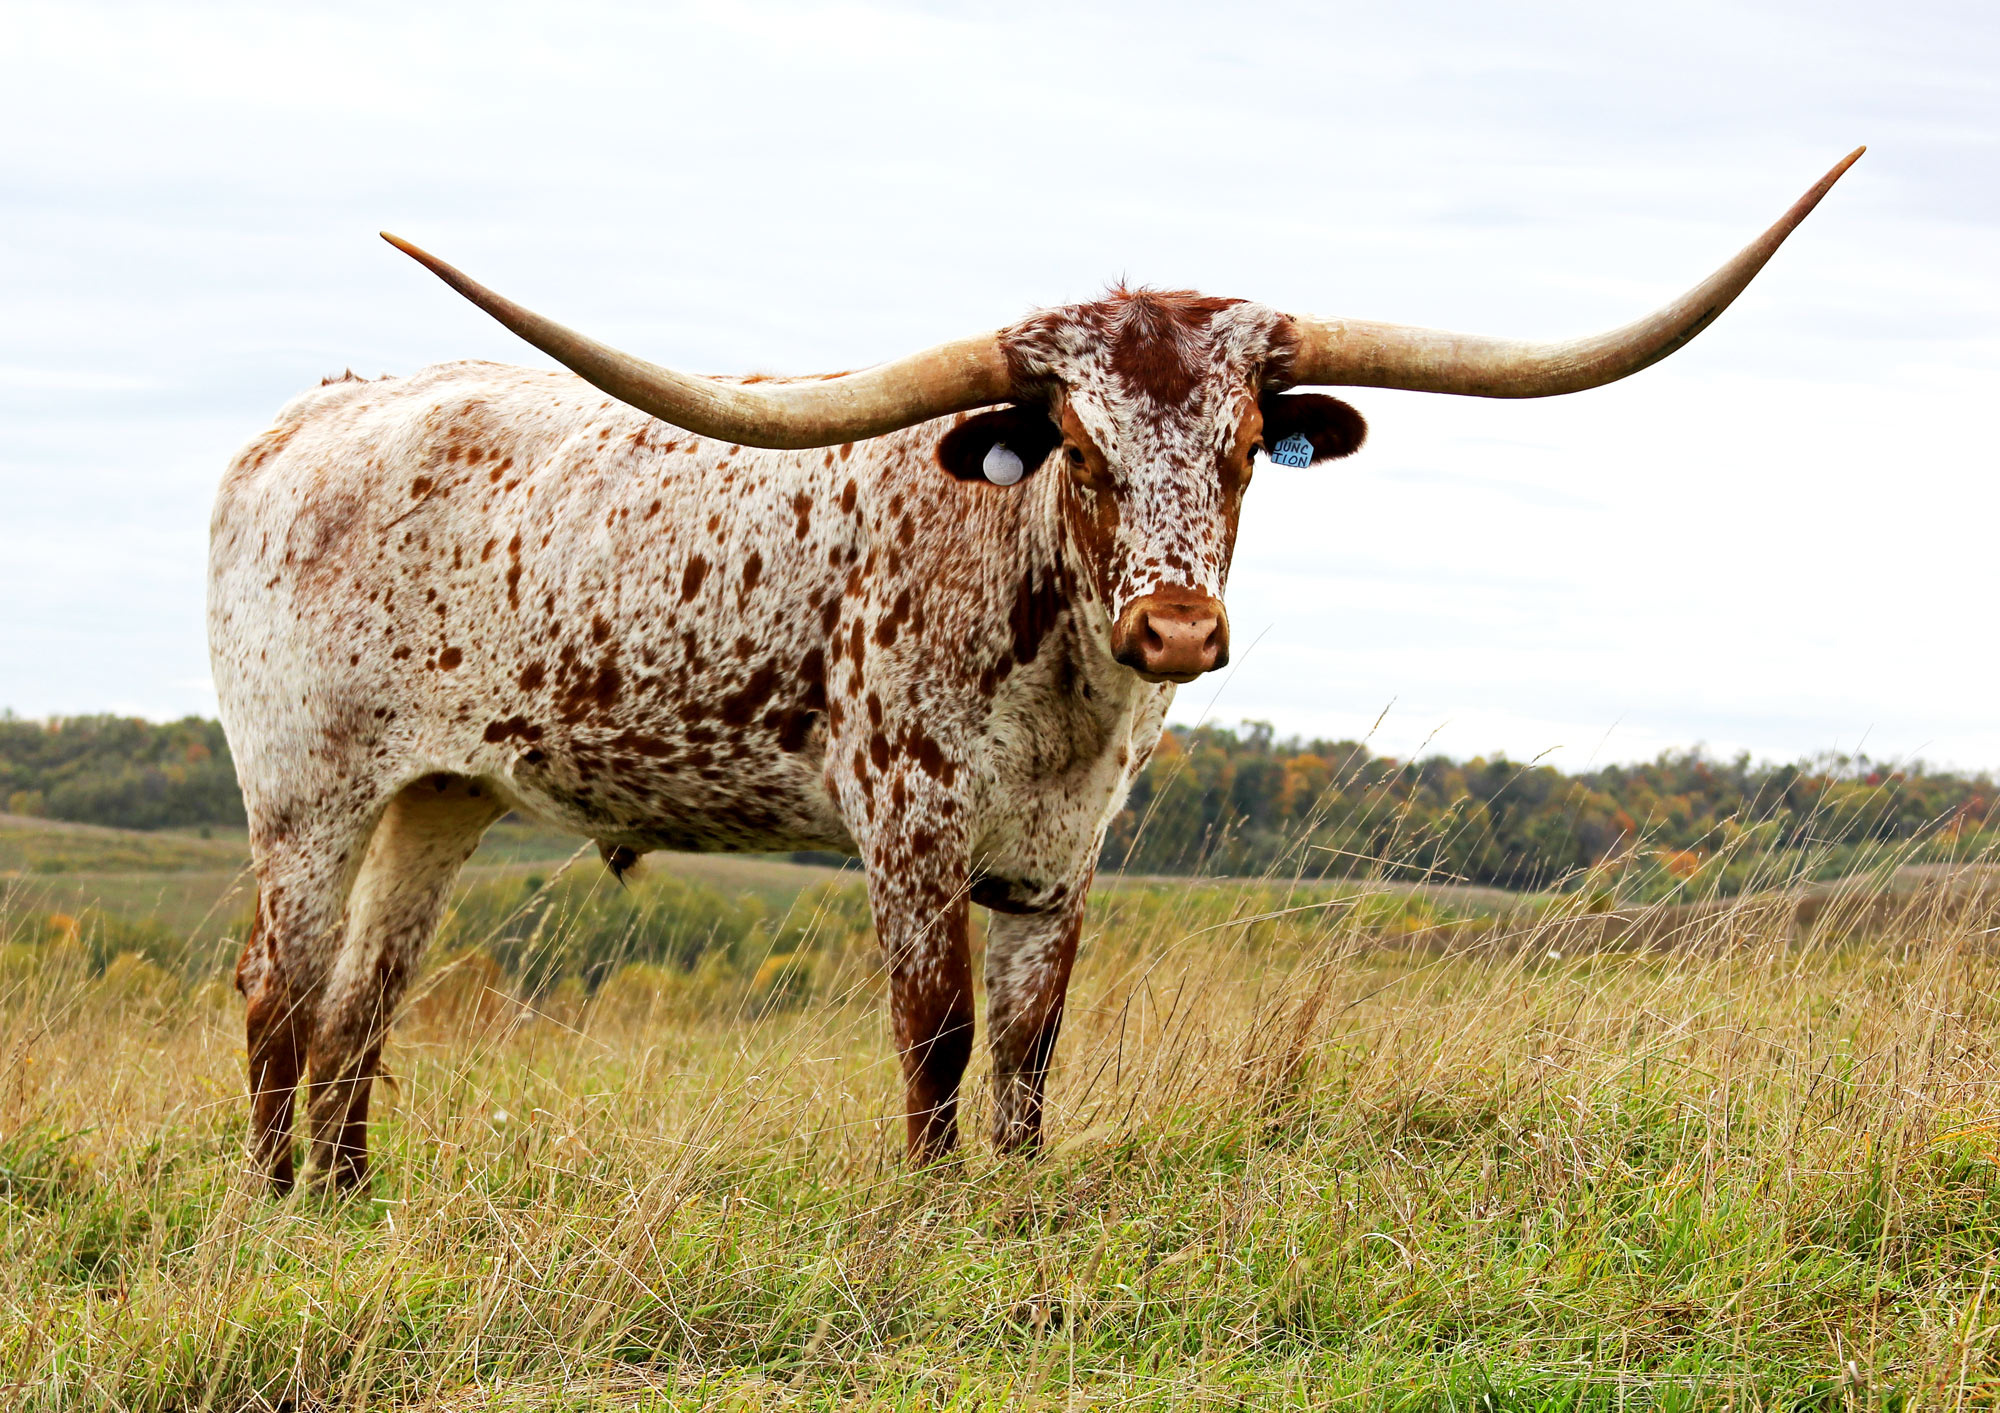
(503, 574)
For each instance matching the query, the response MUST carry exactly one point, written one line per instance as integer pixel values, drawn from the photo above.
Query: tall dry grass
(1735, 1152)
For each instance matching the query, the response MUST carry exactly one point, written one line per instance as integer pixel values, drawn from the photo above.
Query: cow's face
(1156, 409)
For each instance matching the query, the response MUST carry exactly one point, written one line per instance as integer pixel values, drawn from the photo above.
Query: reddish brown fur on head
(1151, 407)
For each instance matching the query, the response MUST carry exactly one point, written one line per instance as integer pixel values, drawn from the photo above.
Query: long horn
(811, 412)
(1356, 353)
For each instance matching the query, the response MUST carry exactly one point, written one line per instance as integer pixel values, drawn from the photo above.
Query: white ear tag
(1294, 450)
(1002, 466)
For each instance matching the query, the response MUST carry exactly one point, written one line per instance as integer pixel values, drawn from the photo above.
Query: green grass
(51, 847)
(194, 885)
(1310, 1149)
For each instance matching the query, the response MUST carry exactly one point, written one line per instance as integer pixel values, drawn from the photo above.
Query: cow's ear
(1303, 428)
(1023, 435)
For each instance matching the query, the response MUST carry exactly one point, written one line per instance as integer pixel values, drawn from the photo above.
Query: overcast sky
(1780, 540)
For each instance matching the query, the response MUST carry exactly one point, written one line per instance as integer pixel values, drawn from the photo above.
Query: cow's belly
(659, 792)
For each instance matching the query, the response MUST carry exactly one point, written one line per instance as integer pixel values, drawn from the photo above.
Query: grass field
(1310, 1147)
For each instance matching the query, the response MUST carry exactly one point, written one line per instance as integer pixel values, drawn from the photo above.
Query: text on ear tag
(1294, 450)
(1001, 466)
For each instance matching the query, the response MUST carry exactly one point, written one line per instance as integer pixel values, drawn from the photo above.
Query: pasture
(1327, 1144)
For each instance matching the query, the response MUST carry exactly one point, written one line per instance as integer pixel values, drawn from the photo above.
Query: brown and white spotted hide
(438, 598)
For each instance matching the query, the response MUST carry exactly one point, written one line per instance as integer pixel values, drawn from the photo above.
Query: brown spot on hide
(802, 508)
(697, 570)
(450, 658)
(930, 756)
(513, 728)
(739, 707)
(531, 676)
(812, 675)
(1036, 608)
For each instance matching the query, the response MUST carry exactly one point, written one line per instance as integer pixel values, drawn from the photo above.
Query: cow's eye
(1075, 455)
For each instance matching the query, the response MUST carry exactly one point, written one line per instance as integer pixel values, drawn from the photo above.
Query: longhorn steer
(943, 642)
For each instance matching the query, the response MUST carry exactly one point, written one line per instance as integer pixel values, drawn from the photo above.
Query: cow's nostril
(1172, 640)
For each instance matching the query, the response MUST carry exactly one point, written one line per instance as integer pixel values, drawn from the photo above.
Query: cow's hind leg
(275, 1027)
(425, 835)
(303, 874)
(1028, 960)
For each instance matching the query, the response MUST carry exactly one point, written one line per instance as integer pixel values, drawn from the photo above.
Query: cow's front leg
(916, 886)
(1028, 961)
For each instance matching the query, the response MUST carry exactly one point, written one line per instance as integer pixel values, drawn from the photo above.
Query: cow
(931, 613)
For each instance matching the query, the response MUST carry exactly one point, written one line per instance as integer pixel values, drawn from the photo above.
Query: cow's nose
(1172, 635)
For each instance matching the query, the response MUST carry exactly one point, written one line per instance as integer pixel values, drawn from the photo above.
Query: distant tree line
(119, 771)
(1223, 801)
(1241, 801)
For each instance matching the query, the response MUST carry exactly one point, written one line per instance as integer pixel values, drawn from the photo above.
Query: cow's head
(1150, 407)
(1143, 416)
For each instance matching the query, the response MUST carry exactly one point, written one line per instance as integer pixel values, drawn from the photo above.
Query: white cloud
(1775, 540)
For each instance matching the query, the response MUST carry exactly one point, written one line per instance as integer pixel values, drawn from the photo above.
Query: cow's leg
(274, 1040)
(1028, 960)
(918, 898)
(424, 837)
(303, 876)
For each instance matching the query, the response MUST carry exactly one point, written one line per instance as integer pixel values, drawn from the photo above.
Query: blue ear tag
(1294, 450)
